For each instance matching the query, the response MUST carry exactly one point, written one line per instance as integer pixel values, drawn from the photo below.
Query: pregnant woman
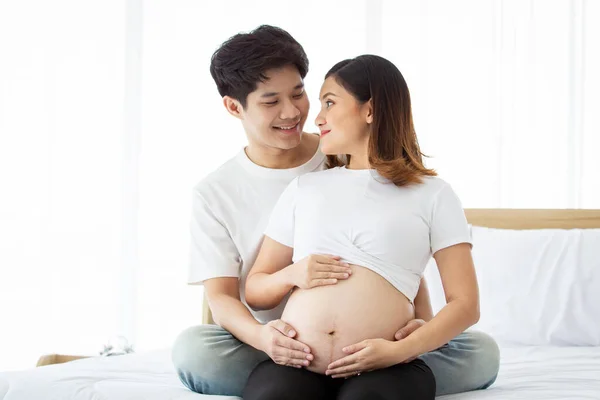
(349, 246)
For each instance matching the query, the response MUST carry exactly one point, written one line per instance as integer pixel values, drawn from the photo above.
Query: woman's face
(343, 121)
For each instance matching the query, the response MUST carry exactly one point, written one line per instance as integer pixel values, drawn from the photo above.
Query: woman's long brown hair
(393, 147)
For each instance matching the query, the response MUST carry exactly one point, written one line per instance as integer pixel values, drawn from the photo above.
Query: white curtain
(109, 116)
(506, 96)
(61, 135)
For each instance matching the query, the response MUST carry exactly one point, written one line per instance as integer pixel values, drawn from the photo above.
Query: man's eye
(299, 96)
(272, 103)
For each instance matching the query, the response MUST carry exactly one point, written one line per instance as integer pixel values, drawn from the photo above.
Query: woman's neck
(359, 161)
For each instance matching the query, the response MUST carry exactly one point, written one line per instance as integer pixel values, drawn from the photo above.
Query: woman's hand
(368, 355)
(409, 328)
(318, 270)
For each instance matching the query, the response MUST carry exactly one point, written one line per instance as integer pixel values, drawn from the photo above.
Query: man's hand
(319, 270)
(277, 341)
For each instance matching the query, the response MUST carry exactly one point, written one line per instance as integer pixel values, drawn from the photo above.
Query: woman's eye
(328, 103)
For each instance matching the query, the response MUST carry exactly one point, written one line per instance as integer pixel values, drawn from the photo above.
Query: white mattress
(526, 373)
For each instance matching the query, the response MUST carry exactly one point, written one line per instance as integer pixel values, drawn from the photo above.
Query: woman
(372, 221)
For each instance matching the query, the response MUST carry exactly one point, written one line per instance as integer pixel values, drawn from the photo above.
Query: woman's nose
(320, 120)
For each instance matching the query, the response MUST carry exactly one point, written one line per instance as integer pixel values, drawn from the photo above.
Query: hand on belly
(328, 318)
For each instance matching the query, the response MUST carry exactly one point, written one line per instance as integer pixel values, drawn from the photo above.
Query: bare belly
(328, 318)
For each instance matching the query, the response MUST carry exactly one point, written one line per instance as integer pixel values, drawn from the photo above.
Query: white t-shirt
(368, 221)
(230, 210)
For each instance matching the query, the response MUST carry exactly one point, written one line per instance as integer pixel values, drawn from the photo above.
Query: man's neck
(284, 159)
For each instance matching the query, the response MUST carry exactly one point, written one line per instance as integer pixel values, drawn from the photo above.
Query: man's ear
(369, 111)
(233, 107)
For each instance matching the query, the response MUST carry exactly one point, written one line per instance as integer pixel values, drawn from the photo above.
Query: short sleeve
(212, 251)
(448, 222)
(281, 222)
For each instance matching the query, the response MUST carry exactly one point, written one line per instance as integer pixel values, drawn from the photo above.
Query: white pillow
(537, 287)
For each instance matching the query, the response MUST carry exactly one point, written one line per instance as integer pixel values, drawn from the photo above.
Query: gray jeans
(209, 360)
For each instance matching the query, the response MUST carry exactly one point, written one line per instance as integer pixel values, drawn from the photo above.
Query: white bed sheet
(530, 373)
(144, 376)
(534, 373)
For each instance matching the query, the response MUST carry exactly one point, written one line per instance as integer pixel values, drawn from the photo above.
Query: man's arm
(274, 338)
(229, 312)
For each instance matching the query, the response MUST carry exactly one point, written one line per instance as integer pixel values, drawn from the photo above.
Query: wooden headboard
(533, 218)
(510, 219)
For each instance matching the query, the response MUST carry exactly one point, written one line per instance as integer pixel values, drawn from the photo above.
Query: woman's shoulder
(318, 176)
(434, 182)
(430, 185)
(431, 190)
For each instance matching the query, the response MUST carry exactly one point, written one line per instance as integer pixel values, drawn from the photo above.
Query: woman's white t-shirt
(368, 221)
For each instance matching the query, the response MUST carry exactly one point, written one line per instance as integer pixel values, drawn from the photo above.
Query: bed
(553, 355)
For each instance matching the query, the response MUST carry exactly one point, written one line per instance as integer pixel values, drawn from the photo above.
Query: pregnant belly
(328, 318)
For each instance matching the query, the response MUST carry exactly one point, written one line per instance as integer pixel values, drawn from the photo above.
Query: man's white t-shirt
(368, 221)
(230, 211)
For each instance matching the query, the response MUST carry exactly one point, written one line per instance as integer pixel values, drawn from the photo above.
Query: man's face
(276, 111)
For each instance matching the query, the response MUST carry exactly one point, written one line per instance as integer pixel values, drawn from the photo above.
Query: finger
(284, 328)
(400, 334)
(348, 369)
(355, 347)
(292, 344)
(343, 362)
(332, 275)
(348, 375)
(335, 262)
(296, 363)
(333, 268)
(293, 357)
(409, 328)
(328, 257)
(292, 363)
(322, 282)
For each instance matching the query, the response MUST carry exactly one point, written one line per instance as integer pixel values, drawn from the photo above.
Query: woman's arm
(457, 271)
(422, 302)
(461, 311)
(269, 280)
(423, 312)
(273, 275)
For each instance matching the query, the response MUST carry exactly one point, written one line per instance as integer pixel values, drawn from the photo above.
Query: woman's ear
(233, 107)
(369, 111)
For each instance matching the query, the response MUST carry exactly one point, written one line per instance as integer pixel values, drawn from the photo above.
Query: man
(260, 78)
